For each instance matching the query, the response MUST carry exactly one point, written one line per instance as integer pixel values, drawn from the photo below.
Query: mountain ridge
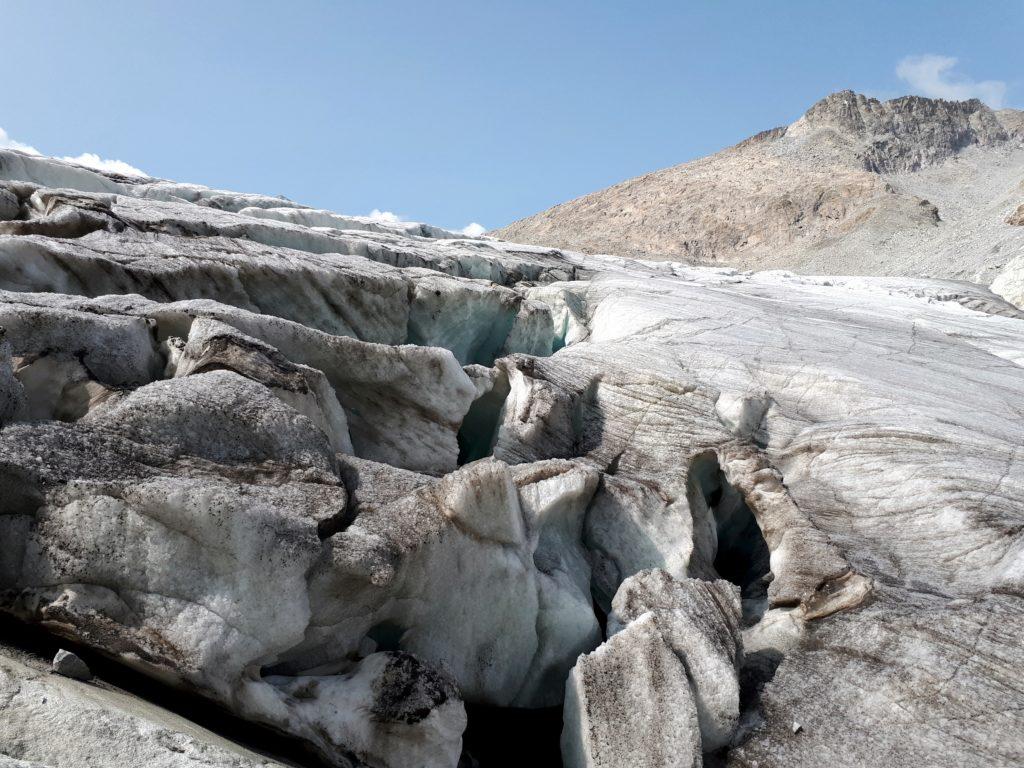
(849, 187)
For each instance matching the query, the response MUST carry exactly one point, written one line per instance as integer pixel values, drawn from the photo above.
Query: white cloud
(88, 159)
(388, 217)
(6, 142)
(933, 76)
(94, 161)
(385, 216)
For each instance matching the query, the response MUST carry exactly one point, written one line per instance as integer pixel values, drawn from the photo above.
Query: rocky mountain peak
(903, 134)
(911, 185)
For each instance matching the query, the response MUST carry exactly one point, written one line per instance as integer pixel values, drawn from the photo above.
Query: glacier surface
(346, 478)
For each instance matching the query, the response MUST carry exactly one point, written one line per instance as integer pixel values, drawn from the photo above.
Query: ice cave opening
(479, 428)
(496, 737)
(739, 552)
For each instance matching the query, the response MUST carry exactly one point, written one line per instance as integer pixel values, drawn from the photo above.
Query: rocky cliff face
(911, 186)
(904, 134)
(358, 487)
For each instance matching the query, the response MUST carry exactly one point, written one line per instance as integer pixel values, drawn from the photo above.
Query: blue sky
(451, 112)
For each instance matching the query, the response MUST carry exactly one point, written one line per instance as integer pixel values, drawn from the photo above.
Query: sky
(463, 112)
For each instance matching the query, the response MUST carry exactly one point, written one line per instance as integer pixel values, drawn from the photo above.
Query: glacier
(350, 480)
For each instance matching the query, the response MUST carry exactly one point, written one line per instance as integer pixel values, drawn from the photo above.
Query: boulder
(68, 664)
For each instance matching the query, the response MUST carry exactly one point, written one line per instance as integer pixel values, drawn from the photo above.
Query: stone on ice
(70, 665)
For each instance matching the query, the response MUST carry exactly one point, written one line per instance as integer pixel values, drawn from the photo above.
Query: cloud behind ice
(935, 76)
(6, 142)
(385, 216)
(473, 229)
(94, 161)
(88, 159)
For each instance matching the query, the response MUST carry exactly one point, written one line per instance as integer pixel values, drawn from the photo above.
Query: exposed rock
(1016, 218)
(910, 186)
(69, 665)
(907, 133)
